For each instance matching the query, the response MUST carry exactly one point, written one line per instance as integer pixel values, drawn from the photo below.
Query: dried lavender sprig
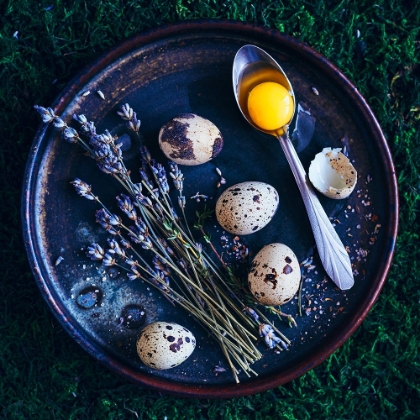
(47, 114)
(267, 321)
(207, 321)
(183, 248)
(126, 205)
(83, 189)
(270, 338)
(69, 134)
(86, 127)
(127, 113)
(135, 274)
(95, 252)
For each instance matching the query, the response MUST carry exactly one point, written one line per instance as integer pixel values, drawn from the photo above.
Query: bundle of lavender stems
(156, 245)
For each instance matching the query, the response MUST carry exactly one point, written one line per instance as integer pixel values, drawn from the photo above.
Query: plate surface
(187, 68)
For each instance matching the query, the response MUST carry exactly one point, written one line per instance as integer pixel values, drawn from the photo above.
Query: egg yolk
(270, 106)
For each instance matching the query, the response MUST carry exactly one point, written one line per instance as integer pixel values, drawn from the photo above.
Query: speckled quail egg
(247, 207)
(164, 345)
(189, 139)
(332, 174)
(274, 276)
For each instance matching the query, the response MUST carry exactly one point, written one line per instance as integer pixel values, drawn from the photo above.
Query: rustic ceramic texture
(187, 68)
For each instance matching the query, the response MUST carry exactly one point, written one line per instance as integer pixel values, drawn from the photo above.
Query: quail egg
(190, 140)
(332, 174)
(275, 275)
(164, 345)
(246, 207)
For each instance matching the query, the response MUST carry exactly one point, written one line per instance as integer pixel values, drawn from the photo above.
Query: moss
(44, 374)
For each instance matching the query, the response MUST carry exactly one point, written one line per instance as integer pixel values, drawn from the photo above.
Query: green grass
(45, 375)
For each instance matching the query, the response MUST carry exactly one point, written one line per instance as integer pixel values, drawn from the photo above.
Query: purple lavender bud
(114, 219)
(83, 189)
(181, 201)
(95, 252)
(133, 276)
(81, 119)
(47, 114)
(126, 244)
(136, 123)
(108, 260)
(107, 137)
(70, 135)
(126, 205)
(126, 112)
(115, 246)
(135, 237)
(58, 122)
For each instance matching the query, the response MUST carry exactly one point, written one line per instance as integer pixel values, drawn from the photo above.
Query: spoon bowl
(251, 67)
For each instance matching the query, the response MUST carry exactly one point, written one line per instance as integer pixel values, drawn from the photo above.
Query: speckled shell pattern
(189, 139)
(345, 175)
(275, 275)
(164, 345)
(247, 207)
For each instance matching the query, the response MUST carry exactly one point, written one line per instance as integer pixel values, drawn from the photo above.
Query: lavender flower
(139, 234)
(126, 205)
(107, 160)
(58, 122)
(270, 337)
(161, 281)
(134, 124)
(137, 188)
(86, 127)
(95, 252)
(108, 221)
(251, 312)
(126, 244)
(134, 274)
(81, 119)
(145, 154)
(161, 266)
(47, 114)
(115, 246)
(134, 236)
(130, 116)
(126, 112)
(109, 260)
(146, 179)
(70, 135)
(177, 176)
(83, 189)
(145, 201)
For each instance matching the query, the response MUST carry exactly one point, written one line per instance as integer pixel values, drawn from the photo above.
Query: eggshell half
(332, 174)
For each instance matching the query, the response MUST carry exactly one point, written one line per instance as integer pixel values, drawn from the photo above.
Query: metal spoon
(253, 66)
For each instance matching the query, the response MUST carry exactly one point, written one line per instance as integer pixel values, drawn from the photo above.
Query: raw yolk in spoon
(270, 106)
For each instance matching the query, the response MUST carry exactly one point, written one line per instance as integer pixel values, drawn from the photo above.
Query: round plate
(187, 68)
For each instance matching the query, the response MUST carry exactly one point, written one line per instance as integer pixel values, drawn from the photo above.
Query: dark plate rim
(259, 384)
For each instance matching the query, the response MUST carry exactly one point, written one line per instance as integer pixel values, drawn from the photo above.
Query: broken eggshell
(332, 174)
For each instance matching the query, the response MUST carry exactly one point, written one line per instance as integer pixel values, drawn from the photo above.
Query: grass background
(45, 375)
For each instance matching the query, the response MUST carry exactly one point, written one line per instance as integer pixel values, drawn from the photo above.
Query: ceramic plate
(187, 68)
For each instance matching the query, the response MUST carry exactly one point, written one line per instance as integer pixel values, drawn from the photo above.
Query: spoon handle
(332, 252)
